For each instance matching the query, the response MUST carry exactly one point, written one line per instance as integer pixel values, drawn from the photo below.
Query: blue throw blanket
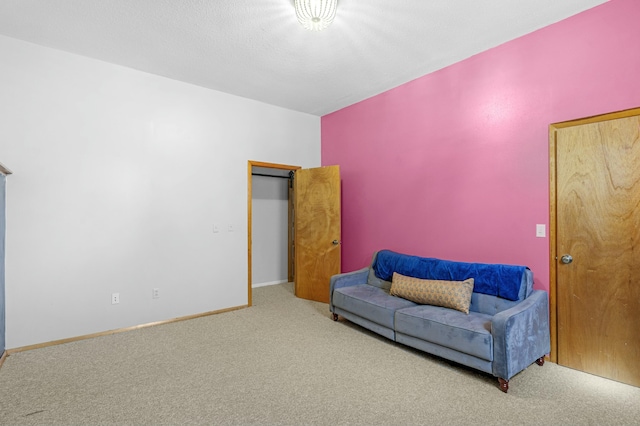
(497, 280)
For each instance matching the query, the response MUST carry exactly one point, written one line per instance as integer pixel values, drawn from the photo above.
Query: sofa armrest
(345, 280)
(520, 335)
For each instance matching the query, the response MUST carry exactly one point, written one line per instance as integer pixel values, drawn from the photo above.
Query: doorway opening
(272, 170)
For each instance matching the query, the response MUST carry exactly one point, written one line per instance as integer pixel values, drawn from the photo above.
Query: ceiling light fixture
(316, 15)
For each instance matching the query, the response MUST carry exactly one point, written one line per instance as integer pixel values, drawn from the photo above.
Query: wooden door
(317, 231)
(598, 225)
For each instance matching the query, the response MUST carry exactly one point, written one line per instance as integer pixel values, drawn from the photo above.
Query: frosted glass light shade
(316, 15)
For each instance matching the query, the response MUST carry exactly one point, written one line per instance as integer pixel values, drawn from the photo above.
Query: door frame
(250, 165)
(553, 255)
(4, 171)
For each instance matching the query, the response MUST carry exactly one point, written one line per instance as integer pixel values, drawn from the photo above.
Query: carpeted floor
(285, 362)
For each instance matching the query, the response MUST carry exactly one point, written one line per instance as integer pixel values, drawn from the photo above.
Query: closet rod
(281, 177)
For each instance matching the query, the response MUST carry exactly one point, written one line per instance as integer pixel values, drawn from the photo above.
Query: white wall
(269, 214)
(118, 179)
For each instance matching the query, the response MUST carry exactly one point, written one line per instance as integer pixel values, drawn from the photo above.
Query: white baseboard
(268, 283)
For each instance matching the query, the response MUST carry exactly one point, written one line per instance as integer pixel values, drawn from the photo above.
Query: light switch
(216, 229)
(541, 230)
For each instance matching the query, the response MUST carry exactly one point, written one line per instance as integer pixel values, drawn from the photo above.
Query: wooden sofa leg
(504, 384)
(335, 317)
(540, 361)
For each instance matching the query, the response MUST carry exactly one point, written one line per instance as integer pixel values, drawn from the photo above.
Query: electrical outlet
(230, 228)
(115, 298)
(156, 293)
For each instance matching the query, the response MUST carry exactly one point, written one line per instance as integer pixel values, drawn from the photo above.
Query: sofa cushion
(377, 282)
(490, 305)
(449, 328)
(372, 279)
(448, 294)
(370, 302)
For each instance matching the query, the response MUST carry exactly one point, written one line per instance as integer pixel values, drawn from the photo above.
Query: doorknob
(336, 242)
(566, 259)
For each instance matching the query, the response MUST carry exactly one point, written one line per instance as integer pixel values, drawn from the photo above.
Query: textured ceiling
(256, 48)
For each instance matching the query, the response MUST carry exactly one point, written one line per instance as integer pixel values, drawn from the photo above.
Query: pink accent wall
(455, 164)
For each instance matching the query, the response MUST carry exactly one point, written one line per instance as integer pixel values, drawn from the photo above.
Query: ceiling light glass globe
(316, 15)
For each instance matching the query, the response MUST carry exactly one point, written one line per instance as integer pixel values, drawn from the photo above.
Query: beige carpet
(284, 361)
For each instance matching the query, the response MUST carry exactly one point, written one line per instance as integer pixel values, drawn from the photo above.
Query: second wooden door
(598, 248)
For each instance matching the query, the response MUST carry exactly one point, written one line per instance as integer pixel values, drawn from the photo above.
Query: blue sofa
(505, 331)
